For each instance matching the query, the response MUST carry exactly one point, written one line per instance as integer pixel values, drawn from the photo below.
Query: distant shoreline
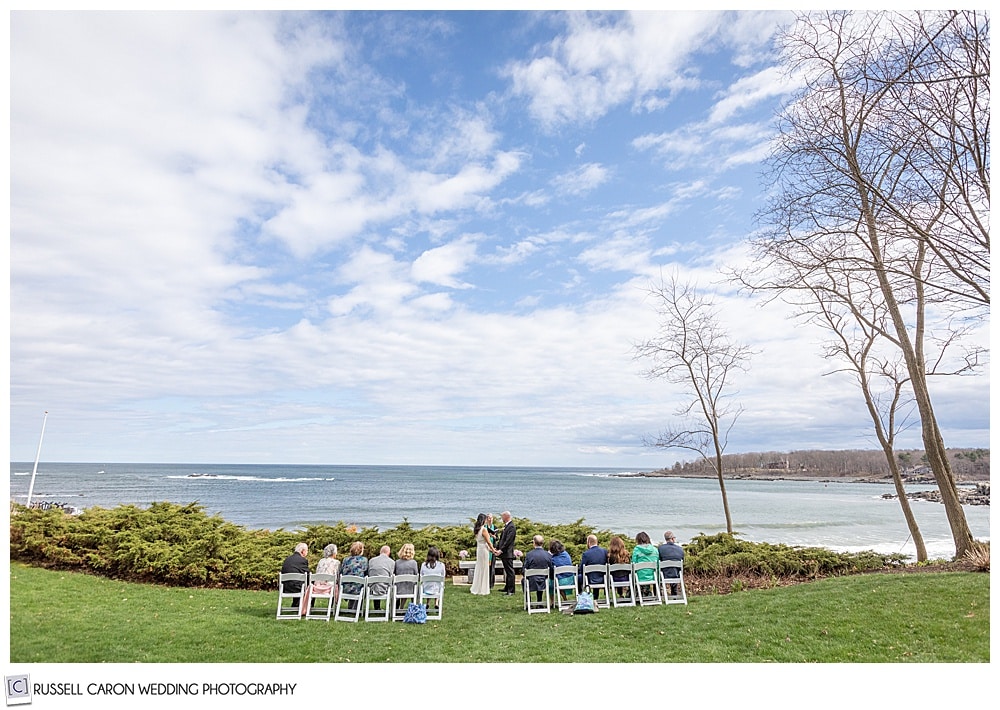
(773, 475)
(972, 491)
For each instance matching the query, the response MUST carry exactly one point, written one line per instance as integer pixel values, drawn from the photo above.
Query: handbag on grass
(415, 614)
(584, 603)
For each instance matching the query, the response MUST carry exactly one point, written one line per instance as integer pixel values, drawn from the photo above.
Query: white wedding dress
(481, 574)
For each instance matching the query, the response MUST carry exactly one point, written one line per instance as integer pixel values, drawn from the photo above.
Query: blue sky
(404, 237)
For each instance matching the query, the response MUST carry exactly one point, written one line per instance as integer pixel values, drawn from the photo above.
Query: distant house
(776, 465)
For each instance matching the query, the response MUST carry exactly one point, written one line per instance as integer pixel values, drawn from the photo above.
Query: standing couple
(482, 577)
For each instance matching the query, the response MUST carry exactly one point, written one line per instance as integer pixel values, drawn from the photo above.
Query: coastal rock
(980, 495)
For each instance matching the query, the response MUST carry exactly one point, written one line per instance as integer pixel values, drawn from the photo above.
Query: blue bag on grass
(584, 603)
(415, 614)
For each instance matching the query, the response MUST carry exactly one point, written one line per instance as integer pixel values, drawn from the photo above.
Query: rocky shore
(980, 495)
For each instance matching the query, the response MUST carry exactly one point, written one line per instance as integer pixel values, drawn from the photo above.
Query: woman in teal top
(645, 552)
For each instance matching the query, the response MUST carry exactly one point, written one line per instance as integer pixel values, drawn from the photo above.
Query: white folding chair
(322, 586)
(404, 591)
(647, 592)
(564, 590)
(378, 589)
(666, 583)
(621, 585)
(536, 606)
(351, 590)
(293, 610)
(601, 601)
(435, 581)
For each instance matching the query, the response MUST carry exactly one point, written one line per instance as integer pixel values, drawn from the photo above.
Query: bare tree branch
(692, 349)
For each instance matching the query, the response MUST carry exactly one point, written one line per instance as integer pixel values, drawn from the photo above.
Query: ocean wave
(263, 479)
(807, 524)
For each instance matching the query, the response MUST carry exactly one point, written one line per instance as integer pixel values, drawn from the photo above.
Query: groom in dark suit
(506, 547)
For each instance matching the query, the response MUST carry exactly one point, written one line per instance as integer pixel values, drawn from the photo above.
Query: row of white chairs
(633, 587)
(353, 597)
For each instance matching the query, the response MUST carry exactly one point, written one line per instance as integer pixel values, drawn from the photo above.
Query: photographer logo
(18, 689)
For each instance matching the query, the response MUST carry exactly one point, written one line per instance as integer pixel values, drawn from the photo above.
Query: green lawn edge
(932, 617)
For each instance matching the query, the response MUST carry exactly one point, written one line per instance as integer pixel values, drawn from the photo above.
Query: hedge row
(180, 545)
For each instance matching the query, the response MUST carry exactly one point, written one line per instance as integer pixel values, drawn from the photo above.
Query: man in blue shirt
(670, 550)
(593, 555)
(537, 558)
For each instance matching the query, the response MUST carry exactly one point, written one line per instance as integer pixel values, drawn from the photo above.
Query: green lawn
(62, 617)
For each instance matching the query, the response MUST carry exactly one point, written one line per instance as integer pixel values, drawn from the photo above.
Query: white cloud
(434, 192)
(603, 61)
(641, 57)
(381, 283)
(621, 253)
(582, 179)
(749, 91)
(442, 264)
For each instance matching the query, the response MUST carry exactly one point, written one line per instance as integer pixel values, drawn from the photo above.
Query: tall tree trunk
(904, 503)
(933, 441)
(722, 486)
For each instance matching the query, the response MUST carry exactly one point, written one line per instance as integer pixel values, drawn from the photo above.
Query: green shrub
(723, 554)
(180, 545)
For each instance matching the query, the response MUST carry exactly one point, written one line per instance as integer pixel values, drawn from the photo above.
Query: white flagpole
(31, 487)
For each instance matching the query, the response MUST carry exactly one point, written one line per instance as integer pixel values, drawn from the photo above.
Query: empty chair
(404, 592)
(672, 587)
(622, 593)
(291, 587)
(647, 589)
(564, 587)
(322, 596)
(536, 590)
(431, 590)
(595, 578)
(378, 589)
(350, 598)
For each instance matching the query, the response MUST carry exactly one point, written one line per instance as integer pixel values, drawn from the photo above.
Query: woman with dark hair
(561, 558)
(481, 573)
(645, 552)
(431, 591)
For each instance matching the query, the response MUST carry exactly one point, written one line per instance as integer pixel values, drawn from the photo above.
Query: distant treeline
(966, 463)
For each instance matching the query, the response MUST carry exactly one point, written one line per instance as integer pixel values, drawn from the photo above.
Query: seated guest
(618, 555)
(561, 558)
(356, 565)
(431, 591)
(406, 565)
(645, 552)
(670, 550)
(328, 565)
(537, 558)
(593, 555)
(295, 563)
(381, 566)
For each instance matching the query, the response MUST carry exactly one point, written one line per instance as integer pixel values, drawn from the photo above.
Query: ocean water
(839, 516)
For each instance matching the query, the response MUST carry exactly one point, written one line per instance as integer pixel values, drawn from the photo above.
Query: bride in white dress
(481, 574)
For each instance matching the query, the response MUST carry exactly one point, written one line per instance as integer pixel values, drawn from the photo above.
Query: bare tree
(692, 349)
(872, 177)
(855, 316)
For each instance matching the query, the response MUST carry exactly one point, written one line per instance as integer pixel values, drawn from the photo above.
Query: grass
(63, 617)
